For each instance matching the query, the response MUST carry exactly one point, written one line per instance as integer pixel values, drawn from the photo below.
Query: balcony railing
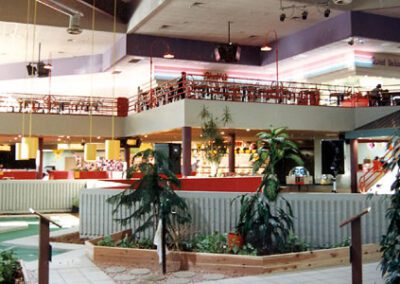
(238, 90)
(200, 88)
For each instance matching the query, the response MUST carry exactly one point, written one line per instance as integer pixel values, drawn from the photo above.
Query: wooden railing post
(355, 247)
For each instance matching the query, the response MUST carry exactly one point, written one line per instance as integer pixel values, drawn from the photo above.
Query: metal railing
(257, 91)
(201, 88)
(55, 104)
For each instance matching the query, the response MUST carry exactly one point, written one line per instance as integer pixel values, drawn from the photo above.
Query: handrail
(372, 176)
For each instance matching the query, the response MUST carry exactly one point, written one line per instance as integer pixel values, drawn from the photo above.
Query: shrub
(9, 267)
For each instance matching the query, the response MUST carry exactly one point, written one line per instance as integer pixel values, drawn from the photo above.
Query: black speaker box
(332, 154)
(173, 153)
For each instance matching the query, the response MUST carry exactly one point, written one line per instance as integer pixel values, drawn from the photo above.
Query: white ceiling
(251, 20)
(17, 42)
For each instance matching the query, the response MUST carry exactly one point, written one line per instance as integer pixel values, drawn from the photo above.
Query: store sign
(389, 60)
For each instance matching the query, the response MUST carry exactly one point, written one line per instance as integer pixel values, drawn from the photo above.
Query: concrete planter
(226, 263)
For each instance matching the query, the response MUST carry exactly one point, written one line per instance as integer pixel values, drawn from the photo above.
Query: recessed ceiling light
(222, 133)
(145, 136)
(98, 137)
(115, 72)
(248, 129)
(61, 52)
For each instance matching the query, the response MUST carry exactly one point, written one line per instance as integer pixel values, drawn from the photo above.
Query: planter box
(227, 263)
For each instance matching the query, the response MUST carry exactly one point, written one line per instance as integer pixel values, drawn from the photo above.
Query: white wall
(54, 125)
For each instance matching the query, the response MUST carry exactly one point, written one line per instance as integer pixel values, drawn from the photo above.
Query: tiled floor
(337, 275)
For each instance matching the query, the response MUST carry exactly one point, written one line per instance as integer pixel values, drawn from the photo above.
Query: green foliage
(107, 241)
(154, 196)
(262, 223)
(294, 244)
(390, 243)
(9, 267)
(214, 243)
(246, 249)
(215, 148)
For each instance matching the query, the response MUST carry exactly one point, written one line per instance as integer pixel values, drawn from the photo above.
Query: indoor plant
(262, 223)
(156, 196)
(214, 145)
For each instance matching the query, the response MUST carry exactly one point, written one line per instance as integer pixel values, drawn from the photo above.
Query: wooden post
(355, 247)
(231, 153)
(187, 151)
(354, 165)
(163, 245)
(44, 251)
(40, 166)
(44, 246)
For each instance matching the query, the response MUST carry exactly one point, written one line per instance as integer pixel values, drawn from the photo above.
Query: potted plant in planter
(390, 243)
(156, 196)
(214, 145)
(75, 205)
(262, 223)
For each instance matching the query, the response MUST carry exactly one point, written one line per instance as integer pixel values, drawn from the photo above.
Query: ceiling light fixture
(227, 52)
(74, 27)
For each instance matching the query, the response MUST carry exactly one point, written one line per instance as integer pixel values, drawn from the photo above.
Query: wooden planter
(227, 263)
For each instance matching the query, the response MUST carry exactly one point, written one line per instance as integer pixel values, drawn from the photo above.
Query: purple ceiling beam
(375, 26)
(145, 45)
(327, 32)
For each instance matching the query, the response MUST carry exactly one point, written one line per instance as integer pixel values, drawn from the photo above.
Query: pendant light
(30, 145)
(90, 149)
(113, 146)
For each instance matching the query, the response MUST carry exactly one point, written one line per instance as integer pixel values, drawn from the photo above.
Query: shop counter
(10, 174)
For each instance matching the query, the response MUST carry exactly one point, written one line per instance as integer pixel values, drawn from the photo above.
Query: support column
(186, 150)
(354, 165)
(40, 166)
(231, 153)
(127, 156)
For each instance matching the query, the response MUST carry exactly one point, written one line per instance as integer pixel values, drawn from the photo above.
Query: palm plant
(262, 223)
(215, 148)
(154, 196)
(390, 243)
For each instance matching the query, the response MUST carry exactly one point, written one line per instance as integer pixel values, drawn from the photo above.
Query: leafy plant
(154, 196)
(126, 242)
(9, 266)
(262, 223)
(295, 244)
(214, 243)
(215, 148)
(107, 241)
(390, 243)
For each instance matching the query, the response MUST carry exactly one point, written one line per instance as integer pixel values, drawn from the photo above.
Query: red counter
(223, 184)
(91, 175)
(18, 175)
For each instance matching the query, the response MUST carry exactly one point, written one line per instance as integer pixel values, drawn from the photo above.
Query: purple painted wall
(144, 45)
(329, 31)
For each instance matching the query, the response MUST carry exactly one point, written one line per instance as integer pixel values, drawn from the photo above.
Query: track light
(282, 17)
(31, 69)
(74, 27)
(304, 15)
(327, 12)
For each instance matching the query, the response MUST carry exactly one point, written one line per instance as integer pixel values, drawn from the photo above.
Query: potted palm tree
(214, 145)
(155, 194)
(262, 223)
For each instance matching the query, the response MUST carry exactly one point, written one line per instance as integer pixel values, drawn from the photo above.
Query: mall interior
(87, 84)
(73, 74)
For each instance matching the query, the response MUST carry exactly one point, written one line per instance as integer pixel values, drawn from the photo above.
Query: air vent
(134, 60)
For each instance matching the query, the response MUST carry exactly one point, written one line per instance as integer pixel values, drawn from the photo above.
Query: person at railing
(375, 96)
(181, 91)
(376, 164)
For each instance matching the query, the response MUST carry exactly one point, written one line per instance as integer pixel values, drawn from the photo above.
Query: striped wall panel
(317, 216)
(44, 196)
